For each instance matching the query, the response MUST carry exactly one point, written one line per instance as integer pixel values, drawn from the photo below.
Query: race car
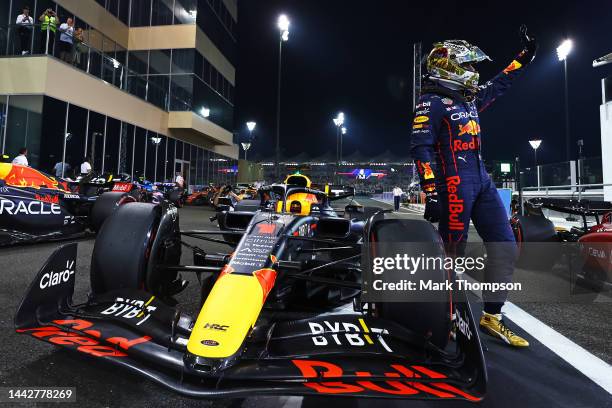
(582, 228)
(201, 197)
(37, 207)
(276, 315)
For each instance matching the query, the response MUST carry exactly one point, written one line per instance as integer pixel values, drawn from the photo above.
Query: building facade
(144, 87)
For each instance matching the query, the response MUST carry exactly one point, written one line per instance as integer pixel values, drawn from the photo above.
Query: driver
(446, 147)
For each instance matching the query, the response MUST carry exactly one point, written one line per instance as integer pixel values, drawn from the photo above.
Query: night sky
(356, 56)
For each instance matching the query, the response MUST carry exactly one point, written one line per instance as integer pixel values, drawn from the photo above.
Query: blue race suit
(446, 147)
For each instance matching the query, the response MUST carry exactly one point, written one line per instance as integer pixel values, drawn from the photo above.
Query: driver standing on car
(446, 147)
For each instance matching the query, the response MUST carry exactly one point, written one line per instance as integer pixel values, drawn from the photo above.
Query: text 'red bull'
(461, 146)
(455, 204)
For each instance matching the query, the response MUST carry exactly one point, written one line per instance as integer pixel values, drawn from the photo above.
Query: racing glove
(530, 47)
(432, 207)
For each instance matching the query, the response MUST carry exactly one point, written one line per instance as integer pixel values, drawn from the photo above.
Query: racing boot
(493, 325)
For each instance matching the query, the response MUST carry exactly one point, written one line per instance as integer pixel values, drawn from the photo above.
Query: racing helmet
(451, 62)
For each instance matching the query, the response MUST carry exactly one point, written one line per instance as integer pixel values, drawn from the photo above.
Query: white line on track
(591, 366)
(594, 368)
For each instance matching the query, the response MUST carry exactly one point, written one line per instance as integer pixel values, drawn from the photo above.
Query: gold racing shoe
(493, 325)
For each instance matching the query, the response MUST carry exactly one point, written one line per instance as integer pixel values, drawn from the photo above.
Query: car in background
(35, 206)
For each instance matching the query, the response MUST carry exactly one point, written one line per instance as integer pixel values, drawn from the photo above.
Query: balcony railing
(24, 40)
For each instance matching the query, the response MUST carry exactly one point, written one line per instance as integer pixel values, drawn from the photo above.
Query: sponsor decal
(462, 145)
(122, 187)
(470, 128)
(452, 108)
(421, 119)
(215, 326)
(266, 229)
(71, 196)
(431, 384)
(425, 170)
(131, 309)
(463, 324)
(514, 65)
(87, 342)
(447, 101)
(51, 279)
(345, 333)
(47, 198)
(28, 208)
(455, 204)
(423, 105)
(422, 112)
(464, 115)
(4, 190)
(210, 343)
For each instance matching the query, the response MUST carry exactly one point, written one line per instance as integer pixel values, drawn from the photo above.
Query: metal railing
(20, 41)
(573, 191)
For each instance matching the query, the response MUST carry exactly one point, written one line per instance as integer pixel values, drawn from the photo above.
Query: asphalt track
(535, 377)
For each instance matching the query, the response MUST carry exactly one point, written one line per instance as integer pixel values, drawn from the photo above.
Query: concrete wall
(48, 76)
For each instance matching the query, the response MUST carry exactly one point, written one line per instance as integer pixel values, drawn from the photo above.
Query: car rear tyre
(530, 232)
(105, 205)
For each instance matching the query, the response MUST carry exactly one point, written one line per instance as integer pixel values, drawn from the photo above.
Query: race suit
(446, 148)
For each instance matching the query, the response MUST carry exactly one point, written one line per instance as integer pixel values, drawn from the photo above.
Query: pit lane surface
(535, 377)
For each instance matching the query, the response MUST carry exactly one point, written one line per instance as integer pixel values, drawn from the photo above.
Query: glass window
(51, 143)
(201, 163)
(23, 126)
(127, 148)
(183, 61)
(140, 144)
(179, 150)
(141, 13)
(159, 144)
(193, 161)
(185, 11)
(159, 62)
(3, 103)
(138, 62)
(151, 164)
(158, 91)
(169, 165)
(76, 137)
(113, 7)
(162, 12)
(124, 11)
(111, 150)
(95, 141)
(181, 92)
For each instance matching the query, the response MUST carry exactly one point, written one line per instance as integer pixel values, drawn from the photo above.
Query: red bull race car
(37, 207)
(280, 311)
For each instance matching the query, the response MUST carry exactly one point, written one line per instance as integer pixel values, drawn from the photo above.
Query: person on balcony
(25, 25)
(66, 40)
(79, 47)
(48, 27)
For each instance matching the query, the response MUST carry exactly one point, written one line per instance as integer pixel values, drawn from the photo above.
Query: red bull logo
(47, 198)
(470, 128)
(514, 65)
(455, 204)
(427, 171)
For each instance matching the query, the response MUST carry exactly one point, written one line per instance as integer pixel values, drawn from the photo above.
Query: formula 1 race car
(584, 227)
(275, 315)
(36, 207)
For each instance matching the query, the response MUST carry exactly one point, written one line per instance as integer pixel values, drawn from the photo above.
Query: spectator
(179, 180)
(60, 169)
(25, 25)
(85, 166)
(21, 157)
(65, 41)
(48, 26)
(397, 197)
(79, 47)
